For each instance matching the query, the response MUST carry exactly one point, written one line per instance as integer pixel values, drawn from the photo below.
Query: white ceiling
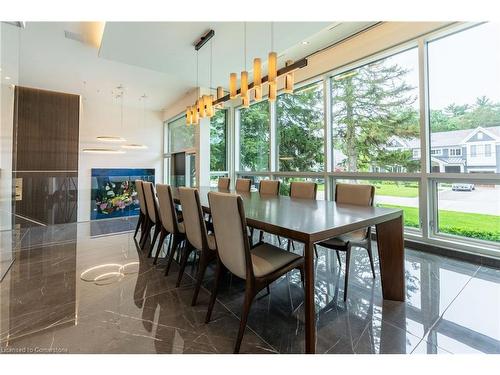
(158, 58)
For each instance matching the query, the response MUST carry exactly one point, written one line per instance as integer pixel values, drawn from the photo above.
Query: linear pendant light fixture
(139, 146)
(112, 138)
(245, 97)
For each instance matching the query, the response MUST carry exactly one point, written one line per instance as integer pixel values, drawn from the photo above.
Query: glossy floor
(81, 288)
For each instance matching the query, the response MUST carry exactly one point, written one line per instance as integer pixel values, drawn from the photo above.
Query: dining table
(312, 221)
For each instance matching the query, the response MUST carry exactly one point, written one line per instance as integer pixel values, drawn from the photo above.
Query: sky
(462, 66)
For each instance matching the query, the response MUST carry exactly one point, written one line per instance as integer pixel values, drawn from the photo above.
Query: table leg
(310, 313)
(390, 245)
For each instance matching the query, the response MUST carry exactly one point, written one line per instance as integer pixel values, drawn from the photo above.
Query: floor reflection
(82, 288)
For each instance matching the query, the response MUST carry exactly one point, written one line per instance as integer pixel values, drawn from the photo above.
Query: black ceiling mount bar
(204, 39)
(287, 69)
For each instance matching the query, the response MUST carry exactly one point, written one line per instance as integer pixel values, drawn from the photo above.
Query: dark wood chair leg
(370, 255)
(184, 259)
(202, 266)
(289, 246)
(215, 289)
(147, 233)
(315, 251)
(338, 258)
(175, 244)
(153, 240)
(249, 295)
(261, 236)
(251, 237)
(347, 263)
(163, 235)
(139, 223)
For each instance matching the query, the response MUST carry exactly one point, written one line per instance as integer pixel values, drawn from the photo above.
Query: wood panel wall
(45, 156)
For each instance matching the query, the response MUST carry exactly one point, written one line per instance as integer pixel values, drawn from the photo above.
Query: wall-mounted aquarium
(113, 192)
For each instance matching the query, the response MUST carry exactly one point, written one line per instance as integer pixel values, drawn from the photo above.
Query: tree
(254, 137)
(218, 141)
(371, 104)
(300, 130)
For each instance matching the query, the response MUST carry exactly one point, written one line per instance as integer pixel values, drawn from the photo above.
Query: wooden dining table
(312, 221)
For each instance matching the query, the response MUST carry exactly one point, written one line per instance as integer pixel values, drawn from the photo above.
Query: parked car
(462, 187)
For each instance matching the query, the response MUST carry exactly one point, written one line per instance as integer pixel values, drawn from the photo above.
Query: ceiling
(158, 58)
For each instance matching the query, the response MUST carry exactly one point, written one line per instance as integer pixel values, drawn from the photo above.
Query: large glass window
(181, 136)
(254, 137)
(300, 130)
(218, 140)
(464, 98)
(375, 118)
(469, 210)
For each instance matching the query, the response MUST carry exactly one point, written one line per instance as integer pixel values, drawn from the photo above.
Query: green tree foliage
(300, 130)
(218, 141)
(254, 137)
(483, 113)
(371, 104)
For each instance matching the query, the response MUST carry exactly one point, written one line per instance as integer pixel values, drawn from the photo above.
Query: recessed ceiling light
(135, 146)
(305, 42)
(7, 78)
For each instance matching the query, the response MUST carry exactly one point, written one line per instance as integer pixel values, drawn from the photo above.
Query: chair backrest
(194, 224)
(223, 183)
(151, 201)
(167, 208)
(140, 196)
(269, 187)
(304, 190)
(243, 185)
(356, 194)
(230, 229)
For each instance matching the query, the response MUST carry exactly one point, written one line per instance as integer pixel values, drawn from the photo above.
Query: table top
(303, 219)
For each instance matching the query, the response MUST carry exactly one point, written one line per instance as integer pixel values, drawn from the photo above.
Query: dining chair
(170, 224)
(223, 183)
(153, 214)
(259, 266)
(142, 209)
(302, 190)
(269, 188)
(198, 238)
(243, 185)
(359, 195)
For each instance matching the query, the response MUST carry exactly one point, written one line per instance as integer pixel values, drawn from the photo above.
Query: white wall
(100, 117)
(9, 62)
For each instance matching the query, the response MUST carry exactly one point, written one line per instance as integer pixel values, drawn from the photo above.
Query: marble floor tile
(89, 288)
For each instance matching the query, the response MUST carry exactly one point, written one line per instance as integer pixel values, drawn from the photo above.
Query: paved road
(482, 200)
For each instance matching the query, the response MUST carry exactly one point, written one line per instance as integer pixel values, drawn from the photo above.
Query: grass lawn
(394, 190)
(485, 227)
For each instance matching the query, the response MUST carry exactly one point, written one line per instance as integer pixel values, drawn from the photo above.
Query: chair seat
(267, 258)
(211, 242)
(358, 236)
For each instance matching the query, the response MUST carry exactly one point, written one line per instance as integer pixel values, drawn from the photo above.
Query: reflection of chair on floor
(360, 195)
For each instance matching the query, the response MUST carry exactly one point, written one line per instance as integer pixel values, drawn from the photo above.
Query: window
(181, 136)
(473, 151)
(375, 118)
(254, 137)
(218, 140)
(464, 90)
(300, 129)
(416, 154)
(469, 210)
(487, 150)
(455, 152)
(436, 152)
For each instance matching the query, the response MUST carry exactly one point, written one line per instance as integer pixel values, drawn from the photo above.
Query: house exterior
(458, 151)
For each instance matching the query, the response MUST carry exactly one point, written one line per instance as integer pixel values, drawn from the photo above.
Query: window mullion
(273, 146)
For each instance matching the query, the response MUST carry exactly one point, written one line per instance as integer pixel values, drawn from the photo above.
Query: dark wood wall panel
(45, 156)
(46, 130)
